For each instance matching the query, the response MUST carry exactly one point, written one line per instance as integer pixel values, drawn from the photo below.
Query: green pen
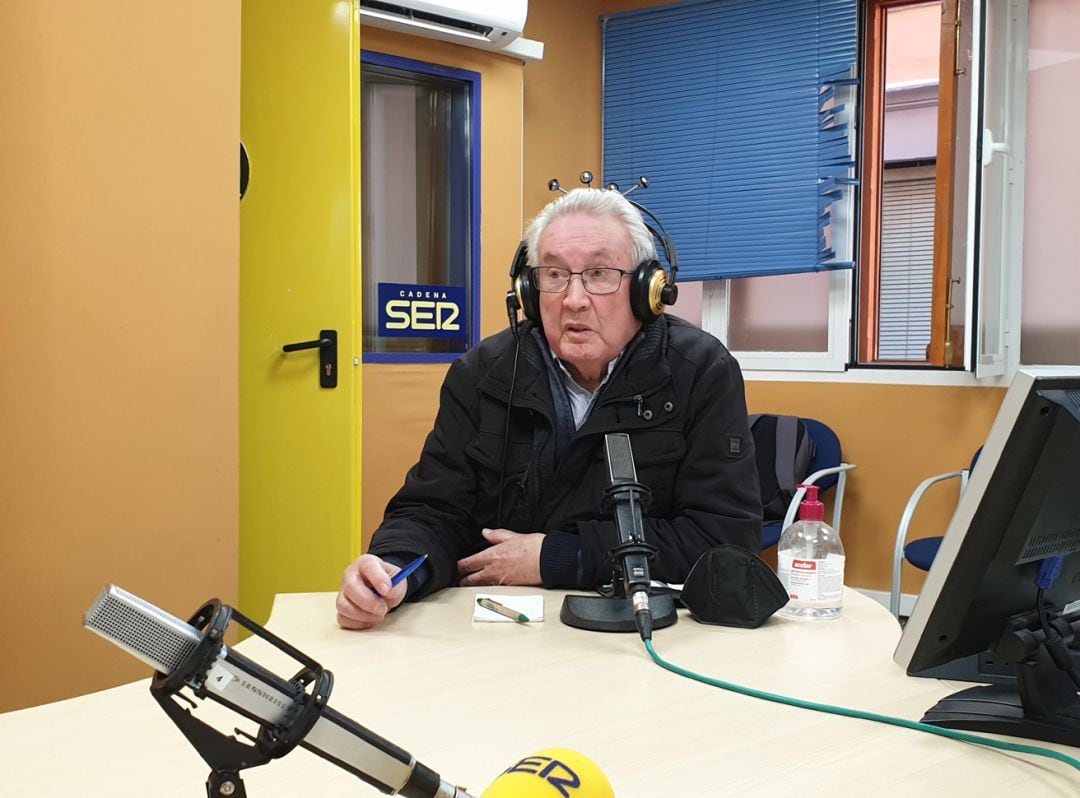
(502, 609)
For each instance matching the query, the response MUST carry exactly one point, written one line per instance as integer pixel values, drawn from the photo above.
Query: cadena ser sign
(421, 311)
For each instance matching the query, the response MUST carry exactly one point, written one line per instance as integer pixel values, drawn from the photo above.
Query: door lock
(327, 346)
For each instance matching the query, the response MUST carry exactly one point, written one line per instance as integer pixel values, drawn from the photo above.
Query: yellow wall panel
(299, 272)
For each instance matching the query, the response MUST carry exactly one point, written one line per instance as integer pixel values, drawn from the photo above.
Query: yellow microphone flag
(551, 773)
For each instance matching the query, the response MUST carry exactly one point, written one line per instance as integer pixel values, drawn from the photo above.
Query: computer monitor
(1021, 507)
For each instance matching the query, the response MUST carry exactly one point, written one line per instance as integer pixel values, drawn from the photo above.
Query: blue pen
(396, 579)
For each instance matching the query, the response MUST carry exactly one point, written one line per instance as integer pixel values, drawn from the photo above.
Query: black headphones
(651, 288)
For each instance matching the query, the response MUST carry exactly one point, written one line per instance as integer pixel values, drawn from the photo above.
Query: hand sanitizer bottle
(810, 563)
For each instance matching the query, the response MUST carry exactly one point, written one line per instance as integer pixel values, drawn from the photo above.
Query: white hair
(595, 202)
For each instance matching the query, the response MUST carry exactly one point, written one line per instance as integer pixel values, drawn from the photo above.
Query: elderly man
(508, 487)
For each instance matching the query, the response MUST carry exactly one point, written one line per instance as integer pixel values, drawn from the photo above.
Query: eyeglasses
(551, 280)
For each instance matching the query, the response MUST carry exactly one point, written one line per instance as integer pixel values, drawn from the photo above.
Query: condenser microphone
(288, 714)
(549, 774)
(628, 606)
(629, 500)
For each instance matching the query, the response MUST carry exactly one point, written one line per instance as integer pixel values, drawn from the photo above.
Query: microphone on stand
(632, 607)
(629, 499)
(193, 655)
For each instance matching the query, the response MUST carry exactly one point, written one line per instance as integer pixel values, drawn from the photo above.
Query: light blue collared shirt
(581, 400)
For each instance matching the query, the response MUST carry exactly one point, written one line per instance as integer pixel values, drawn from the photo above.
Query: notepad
(530, 606)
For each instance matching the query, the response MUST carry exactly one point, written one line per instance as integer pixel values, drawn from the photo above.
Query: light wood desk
(470, 699)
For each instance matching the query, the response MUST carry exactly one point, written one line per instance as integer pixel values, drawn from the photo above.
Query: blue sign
(421, 311)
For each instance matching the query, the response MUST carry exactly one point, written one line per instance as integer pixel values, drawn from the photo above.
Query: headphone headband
(651, 287)
(666, 244)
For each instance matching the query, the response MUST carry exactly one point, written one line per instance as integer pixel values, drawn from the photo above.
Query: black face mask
(730, 586)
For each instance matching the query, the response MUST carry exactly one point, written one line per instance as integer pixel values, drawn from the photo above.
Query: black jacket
(677, 392)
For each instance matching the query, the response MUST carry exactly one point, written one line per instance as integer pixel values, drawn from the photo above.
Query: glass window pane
(416, 200)
(780, 314)
(901, 273)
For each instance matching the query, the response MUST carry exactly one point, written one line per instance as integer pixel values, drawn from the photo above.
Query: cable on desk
(855, 713)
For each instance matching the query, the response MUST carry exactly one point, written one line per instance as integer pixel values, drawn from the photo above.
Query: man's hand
(366, 596)
(513, 558)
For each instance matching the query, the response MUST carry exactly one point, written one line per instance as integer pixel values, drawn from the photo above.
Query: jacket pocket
(485, 454)
(657, 446)
(486, 450)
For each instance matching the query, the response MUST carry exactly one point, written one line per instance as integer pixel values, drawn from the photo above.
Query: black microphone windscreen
(620, 457)
(730, 586)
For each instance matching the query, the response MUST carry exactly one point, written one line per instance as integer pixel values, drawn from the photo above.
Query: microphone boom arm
(290, 713)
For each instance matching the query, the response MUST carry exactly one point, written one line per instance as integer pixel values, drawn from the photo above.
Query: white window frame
(999, 358)
(1005, 251)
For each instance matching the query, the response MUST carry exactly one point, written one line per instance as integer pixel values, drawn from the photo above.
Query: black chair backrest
(785, 452)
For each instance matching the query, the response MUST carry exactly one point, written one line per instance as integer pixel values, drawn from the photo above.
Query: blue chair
(921, 551)
(827, 469)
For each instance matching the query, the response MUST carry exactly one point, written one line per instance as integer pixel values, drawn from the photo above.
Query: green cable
(854, 713)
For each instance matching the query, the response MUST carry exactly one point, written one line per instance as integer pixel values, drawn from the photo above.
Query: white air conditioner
(488, 24)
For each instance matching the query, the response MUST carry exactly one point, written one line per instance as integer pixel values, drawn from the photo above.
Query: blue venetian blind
(727, 107)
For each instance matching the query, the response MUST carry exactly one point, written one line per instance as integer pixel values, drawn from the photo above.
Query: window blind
(728, 107)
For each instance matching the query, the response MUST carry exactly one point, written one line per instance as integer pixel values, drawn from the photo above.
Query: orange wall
(118, 256)
(562, 99)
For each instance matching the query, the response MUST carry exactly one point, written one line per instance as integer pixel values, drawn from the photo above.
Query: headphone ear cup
(649, 289)
(528, 296)
(521, 285)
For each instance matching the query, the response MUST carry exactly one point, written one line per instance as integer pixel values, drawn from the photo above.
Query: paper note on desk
(532, 607)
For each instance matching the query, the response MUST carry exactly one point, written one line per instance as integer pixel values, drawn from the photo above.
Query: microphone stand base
(614, 614)
(225, 783)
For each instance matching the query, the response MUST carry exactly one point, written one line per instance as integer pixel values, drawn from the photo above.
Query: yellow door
(299, 275)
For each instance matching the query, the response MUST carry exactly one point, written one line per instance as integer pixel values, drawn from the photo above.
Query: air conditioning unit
(487, 24)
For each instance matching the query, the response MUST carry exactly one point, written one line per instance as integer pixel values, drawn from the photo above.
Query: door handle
(327, 346)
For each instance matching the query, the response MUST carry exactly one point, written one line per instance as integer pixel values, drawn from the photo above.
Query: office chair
(921, 551)
(826, 470)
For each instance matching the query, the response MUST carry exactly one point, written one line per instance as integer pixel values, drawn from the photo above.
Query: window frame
(872, 180)
(473, 81)
(837, 364)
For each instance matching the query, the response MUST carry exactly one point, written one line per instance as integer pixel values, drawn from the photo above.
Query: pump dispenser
(810, 563)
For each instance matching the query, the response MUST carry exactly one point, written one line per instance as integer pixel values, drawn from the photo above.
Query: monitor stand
(981, 668)
(1043, 705)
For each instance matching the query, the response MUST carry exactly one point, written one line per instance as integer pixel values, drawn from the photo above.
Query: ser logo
(421, 311)
(557, 774)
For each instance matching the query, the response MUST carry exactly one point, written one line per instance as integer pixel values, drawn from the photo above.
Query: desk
(470, 699)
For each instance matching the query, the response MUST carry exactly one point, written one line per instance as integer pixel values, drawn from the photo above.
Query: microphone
(184, 655)
(512, 307)
(629, 605)
(551, 773)
(629, 499)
